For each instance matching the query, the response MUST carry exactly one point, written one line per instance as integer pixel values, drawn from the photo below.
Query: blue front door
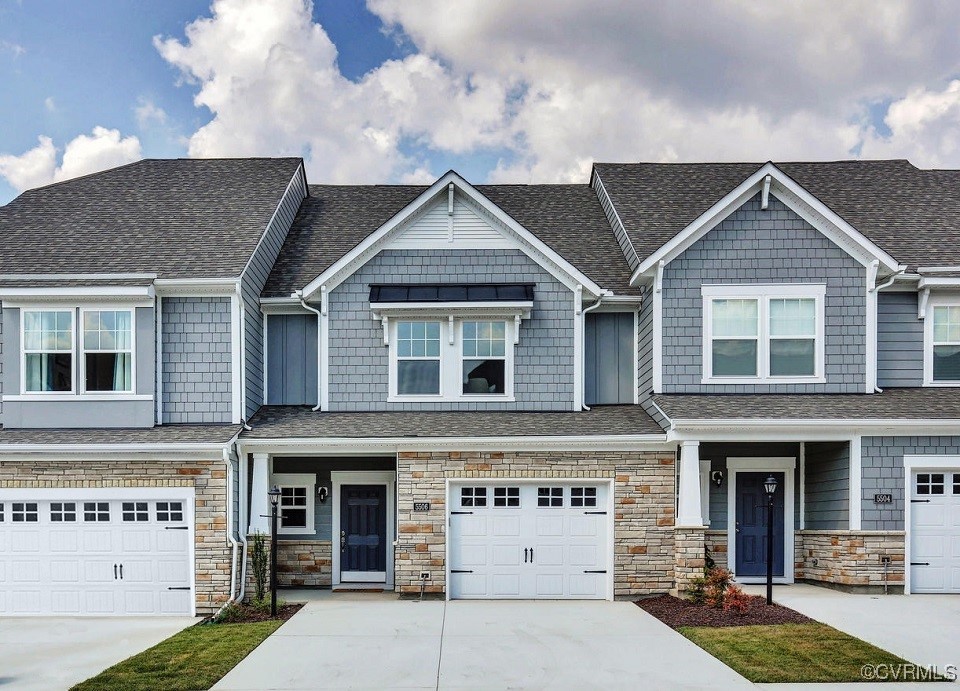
(751, 528)
(363, 526)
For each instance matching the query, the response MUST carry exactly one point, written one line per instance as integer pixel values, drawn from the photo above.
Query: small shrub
(708, 562)
(718, 580)
(735, 600)
(259, 561)
(231, 612)
(696, 592)
(262, 605)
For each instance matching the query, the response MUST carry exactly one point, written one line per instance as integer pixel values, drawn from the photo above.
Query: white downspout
(231, 538)
(303, 303)
(244, 521)
(583, 316)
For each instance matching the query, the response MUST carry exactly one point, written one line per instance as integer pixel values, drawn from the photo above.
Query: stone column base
(689, 557)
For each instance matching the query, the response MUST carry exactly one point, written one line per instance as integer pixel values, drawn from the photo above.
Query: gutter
(303, 303)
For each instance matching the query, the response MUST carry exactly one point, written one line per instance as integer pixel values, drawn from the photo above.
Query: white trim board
(388, 478)
(791, 194)
(785, 465)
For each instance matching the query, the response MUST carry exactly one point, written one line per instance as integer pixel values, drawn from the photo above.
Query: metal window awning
(451, 292)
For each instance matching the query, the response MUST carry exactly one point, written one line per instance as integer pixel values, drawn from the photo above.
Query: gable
(442, 226)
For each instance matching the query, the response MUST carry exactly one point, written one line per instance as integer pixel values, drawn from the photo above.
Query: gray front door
(363, 533)
(751, 538)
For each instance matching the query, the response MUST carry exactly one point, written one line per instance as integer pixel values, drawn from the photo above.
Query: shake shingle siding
(764, 246)
(899, 340)
(253, 280)
(359, 360)
(196, 360)
(827, 485)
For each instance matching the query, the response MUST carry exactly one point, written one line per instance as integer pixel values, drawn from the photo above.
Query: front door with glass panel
(363, 533)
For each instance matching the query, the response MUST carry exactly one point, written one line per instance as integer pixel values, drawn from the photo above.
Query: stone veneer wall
(644, 558)
(208, 478)
(850, 558)
(716, 542)
(305, 563)
(689, 556)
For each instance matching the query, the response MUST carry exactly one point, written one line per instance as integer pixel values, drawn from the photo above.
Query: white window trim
(763, 293)
(44, 395)
(932, 302)
(451, 357)
(81, 383)
(304, 480)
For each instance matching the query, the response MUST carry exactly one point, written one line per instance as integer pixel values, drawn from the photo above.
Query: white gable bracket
(765, 195)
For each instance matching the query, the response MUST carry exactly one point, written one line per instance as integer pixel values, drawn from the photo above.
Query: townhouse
(494, 391)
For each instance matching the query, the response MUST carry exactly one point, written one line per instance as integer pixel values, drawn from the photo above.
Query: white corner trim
(791, 194)
(856, 483)
(657, 346)
(373, 243)
(870, 385)
(236, 357)
(578, 349)
(158, 356)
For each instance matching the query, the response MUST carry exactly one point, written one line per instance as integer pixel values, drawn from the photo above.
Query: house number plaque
(421, 506)
(882, 498)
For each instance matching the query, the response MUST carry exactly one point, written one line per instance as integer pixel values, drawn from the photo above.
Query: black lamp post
(770, 487)
(274, 495)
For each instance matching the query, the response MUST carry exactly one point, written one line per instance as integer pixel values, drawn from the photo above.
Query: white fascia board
(282, 306)
(47, 293)
(805, 429)
(173, 451)
(79, 277)
(197, 287)
(933, 282)
(710, 218)
(937, 269)
(351, 445)
(359, 255)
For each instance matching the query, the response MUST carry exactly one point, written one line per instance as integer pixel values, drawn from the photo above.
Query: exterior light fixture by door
(770, 487)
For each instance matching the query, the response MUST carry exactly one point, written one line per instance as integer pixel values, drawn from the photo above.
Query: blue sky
(394, 91)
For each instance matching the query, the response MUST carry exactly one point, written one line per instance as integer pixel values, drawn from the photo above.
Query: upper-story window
(942, 365)
(462, 360)
(763, 334)
(105, 344)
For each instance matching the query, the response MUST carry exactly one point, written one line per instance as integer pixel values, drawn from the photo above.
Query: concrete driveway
(378, 644)
(924, 629)
(55, 653)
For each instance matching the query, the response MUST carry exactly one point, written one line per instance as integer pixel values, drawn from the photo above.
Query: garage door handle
(919, 563)
(460, 513)
(531, 555)
(919, 501)
(179, 587)
(121, 572)
(175, 527)
(595, 513)
(589, 571)
(460, 571)
(114, 572)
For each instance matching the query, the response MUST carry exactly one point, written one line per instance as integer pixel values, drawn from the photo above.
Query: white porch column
(259, 500)
(689, 509)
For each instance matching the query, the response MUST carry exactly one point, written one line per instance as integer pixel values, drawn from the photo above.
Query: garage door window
(930, 483)
(506, 497)
(63, 512)
(169, 511)
(96, 511)
(473, 496)
(24, 512)
(583, 496)
(550, 497)
(135, 512)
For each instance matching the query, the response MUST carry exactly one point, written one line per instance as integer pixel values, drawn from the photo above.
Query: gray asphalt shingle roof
(336, 218)
(892, 404)
(162, 434)
(912, 214)
(279, 422)
(181, 218)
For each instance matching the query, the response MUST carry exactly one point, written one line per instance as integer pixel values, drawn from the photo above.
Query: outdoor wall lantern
(770, 487)
(274, 495)
(717, 477)
(322, 493)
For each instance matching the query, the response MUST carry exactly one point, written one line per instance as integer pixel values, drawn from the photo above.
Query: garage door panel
(65, 602)
(99, 602)
(25, 571)
(99, 571)
(930, 515)
(550, 526)
(24, 541)
(63, 540)
(174, 602)
(505, 526)
(934, 532)
(468, 585)
(96, 540)
(64, 571)
(173, 571)
(473, 555)
(172, 540)
(549, 585)
(584, 526)
(505, 555)
(584, 555)
(135, 571)
(505, 585)
(928, 546)
(586, 585)
(25, 602)
(549, 555)
(134, 541)
(139, 602)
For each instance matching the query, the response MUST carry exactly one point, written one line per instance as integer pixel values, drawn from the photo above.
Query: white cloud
(103, 148)
(149, 113)
(15, 49)
(553, 86)
(50, 104)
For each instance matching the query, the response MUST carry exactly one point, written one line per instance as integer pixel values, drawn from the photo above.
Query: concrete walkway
(378, 643)
(46, 653)
(924, 629)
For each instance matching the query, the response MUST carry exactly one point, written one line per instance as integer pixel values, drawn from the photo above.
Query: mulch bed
(251, 614)
(675, 613)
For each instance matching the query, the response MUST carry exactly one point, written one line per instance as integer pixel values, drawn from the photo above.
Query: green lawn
(791, 652)
(196, 658)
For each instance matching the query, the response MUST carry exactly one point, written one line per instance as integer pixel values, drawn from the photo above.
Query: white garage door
(529, 540)
(87, 553)
(935, 532)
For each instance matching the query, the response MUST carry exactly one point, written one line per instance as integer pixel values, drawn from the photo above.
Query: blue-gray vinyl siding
(718, 453)
(197, 356)
(251, 285)
(883, 473)
(645, 355)
(1, 365)
(609, 376)
(764, 246)
(292, 359)
(82, 413)
(899, 340)
(827, 485)
(543, 359)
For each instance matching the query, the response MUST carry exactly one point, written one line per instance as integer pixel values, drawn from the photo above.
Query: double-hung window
(763, 333)
(48, 351)
(453, 359)
(108, 350)
(942, 358)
